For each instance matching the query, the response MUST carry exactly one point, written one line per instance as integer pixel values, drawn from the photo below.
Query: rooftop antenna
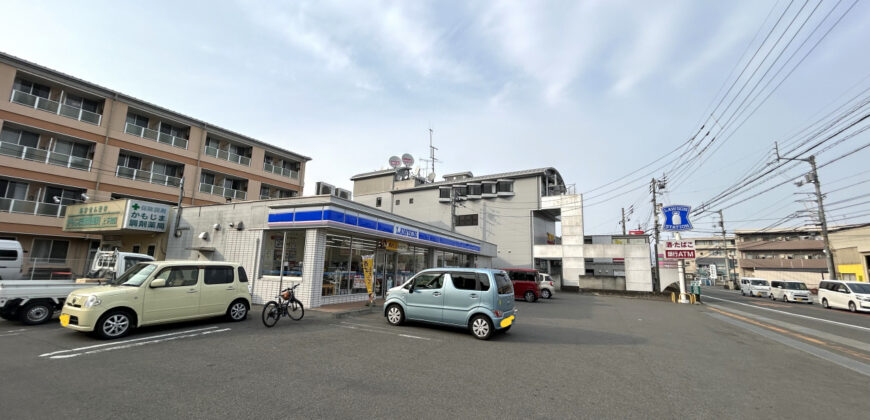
(432, 150)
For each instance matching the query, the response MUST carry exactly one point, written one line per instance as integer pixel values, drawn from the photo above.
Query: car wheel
(36, 313)
(114, 324)
(784, 299)
(546, 294)
(237, 311)
(530, 296)
(852, 307)
(743, 293)
(481, 327)
(395, 315)
(825, 304)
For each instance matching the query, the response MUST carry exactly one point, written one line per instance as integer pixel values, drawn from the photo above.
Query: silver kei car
(479, 299)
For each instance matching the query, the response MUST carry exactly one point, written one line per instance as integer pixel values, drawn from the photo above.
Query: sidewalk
(342, 310)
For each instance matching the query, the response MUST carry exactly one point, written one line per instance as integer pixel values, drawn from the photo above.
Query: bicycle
(287, 305)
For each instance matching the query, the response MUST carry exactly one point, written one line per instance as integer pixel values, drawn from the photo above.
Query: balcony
(140, 175)
(268, 167)
(226, 192)
(45, 156)
(147, 133)
(11, 205)
(228, 156)
(55, 107)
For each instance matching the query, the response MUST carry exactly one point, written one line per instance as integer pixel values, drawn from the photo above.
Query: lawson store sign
(343, 218)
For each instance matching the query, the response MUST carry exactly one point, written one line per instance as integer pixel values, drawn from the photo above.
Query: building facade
(710, 254)
(851, 249)
(782, 254)
(318, 242)
(528, 214)
(65, 141)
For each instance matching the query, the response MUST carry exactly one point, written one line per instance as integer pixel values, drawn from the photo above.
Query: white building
(521, 212)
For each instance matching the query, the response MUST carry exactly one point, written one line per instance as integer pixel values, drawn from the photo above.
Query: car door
(218, 289)
(462, 293)
(178, 299)
(841, 296)
(425, 299)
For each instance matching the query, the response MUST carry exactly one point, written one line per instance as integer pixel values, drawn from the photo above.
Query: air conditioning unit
(343, 193)
(322, 188)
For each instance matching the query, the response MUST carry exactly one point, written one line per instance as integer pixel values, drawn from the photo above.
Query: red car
(525, 283)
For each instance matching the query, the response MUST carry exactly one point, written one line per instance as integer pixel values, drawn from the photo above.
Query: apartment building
(709, 254)
(65, 141)
(782, 254)
(851, 247)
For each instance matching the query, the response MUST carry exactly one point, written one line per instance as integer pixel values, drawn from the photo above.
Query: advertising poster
(368, 262)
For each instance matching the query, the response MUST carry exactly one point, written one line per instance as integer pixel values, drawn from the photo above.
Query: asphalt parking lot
(572, 356)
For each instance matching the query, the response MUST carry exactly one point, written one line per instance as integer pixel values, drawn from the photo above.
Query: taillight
(497, 313)
(551, 284)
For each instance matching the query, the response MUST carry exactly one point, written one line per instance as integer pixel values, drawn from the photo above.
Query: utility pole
(814, 178)
(725, 246)
(452, 209)
(623, 221)
(652, 187)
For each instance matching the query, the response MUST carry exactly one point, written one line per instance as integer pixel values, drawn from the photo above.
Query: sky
(595, 89)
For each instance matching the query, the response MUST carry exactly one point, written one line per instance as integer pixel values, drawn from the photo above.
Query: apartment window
(264, 192)
(268, 160)
(240, 150)
(474, 189)
(213, 143)
(82, 103)
(66, 197)
(236, 184)
(72, 149)
(290, 165)
(488, 188)
(20, 137)
(165, 169)
(172, 130)
(461, 191)
(127, 161)
(135, 249)
(378, 202)
(13, 190)
(207, 178)
(505, 186)
(466, 220)
(397, 202)
(444, 192)
(137, 120)
(48, 250)
(32, 88)
(410, 201)
(150, 250)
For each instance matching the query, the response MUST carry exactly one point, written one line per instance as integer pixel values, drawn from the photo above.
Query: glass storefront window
(360, 247)
(406, 261)
(293, 251)
(336, 271)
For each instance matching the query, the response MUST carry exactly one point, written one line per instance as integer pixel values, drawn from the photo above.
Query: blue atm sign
(676, 218)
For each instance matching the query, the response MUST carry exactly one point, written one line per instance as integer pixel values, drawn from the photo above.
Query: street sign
(635, 232)
(680, 249)
(676, 218)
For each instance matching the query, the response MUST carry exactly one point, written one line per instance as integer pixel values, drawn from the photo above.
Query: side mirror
(158, 283)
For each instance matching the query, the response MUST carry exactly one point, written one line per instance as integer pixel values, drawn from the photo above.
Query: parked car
(158, 293)
(790, 291)
(547, 286)
(11, 259)
(479, 299)
(850, 295)
(754, 287)
(525, 283)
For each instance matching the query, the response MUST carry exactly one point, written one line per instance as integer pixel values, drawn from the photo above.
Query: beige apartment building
(710, 252)
(65, 141)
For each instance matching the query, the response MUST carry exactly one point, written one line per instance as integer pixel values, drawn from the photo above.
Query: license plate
(507, 321)
(797, 298)
(64, 320)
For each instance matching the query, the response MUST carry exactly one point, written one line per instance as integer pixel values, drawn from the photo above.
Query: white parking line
(843, 324)
(352, 327)
(115, 343)
(8, 335)
(15, 331)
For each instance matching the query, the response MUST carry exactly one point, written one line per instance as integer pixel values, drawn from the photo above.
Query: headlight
(92, 301)
(864, 298)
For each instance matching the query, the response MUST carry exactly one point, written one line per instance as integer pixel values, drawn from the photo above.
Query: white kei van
(11, 259)
(790, 291)
(851, 295)
(750, 286)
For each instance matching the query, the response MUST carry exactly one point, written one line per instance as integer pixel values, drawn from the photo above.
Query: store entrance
(385, 272)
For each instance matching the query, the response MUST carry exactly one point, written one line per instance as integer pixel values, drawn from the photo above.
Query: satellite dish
(408, 160)
(431, 177)
(395, 162)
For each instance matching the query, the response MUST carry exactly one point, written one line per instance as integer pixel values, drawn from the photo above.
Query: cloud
(649, 48)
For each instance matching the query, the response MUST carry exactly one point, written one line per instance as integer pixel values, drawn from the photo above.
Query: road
(573, 356)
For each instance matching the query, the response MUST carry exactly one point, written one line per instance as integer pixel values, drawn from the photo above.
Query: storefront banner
(95, 217)
(368, 262)
(390, 245)
(147, 216)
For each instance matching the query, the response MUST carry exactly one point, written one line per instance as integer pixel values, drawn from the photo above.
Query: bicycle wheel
(271, 314)
(295, 310)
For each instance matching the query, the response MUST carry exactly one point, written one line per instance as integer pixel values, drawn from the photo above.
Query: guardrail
(44, 156)
(55, 107)
(147, 133)
(226, 192)
(227, 156)
(140, 175)
(11, 205)
(268, 167)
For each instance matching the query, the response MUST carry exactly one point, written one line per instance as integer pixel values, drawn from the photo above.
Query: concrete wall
(638, 276)
(602, 283)
(573, 250)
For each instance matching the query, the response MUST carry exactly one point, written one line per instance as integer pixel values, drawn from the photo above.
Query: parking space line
(353, 327)
(140, 343)
(115, 343)
(792, 314)
(15, 331)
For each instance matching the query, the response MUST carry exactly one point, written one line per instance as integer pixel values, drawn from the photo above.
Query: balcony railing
(140, 175)
(147, 133)
(55, 107)
(228, 156)
(268, 167)
(45, 156)
(226, 192)
(12, 205)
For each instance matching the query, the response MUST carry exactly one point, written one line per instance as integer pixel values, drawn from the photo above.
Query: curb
(352, 312)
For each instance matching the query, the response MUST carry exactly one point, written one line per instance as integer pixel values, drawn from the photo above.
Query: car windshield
(859, 287)
(759, 282)
(136, 275)
(795, 286)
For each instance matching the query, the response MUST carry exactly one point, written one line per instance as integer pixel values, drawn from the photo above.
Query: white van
(790, 291)
(11, 259)
(754, 287)
(851, 295)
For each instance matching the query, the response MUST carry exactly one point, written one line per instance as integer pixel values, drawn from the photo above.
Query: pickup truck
(35, 301)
